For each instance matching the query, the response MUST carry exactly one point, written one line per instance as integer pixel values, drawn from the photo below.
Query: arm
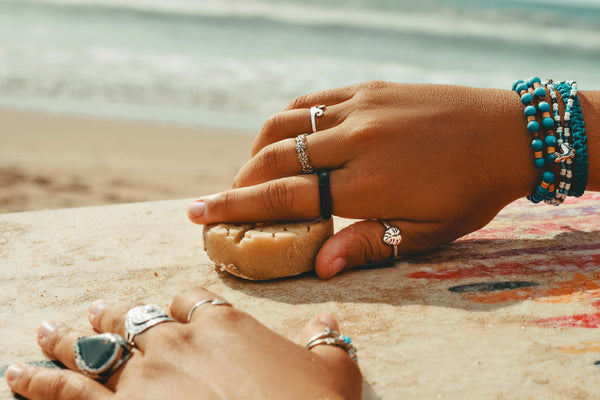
(436, 161)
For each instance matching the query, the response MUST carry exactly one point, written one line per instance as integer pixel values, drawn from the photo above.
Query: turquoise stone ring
(333, 338)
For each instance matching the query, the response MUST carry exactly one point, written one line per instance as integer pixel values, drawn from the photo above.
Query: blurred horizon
(232, 63)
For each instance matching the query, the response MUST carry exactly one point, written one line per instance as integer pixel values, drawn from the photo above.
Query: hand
(436, 161)
(221, 353)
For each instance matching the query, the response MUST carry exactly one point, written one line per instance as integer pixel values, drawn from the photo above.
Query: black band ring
(324, 195)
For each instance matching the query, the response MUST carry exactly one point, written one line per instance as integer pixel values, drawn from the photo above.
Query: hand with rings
(203, 349)
(419, 165)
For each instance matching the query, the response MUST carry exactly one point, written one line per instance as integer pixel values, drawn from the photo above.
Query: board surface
(509, 312)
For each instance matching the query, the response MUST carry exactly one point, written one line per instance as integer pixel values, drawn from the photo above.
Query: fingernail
(329, 321)
(46, 329)
(96, 308)
(197, 209)
(14, 371)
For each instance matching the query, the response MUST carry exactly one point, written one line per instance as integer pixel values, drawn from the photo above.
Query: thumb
(347, 376)
(362, 243)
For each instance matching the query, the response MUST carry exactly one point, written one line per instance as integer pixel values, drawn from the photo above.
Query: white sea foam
(443, 22)
(235, 62)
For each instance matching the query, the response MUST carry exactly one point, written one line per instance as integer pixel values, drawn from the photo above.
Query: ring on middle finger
(141, 318)
(302, 156)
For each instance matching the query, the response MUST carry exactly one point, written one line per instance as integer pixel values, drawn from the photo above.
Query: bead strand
(528, 91)
(564, 157)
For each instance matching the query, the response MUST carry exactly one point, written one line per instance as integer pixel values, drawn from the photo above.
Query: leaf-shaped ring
(392, 236)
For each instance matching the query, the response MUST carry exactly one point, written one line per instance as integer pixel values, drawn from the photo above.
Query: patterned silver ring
(302, 157)
(315, 112)
(392, 236)
(141, 318)
(333, 338)
(214, 302)
(100, 356)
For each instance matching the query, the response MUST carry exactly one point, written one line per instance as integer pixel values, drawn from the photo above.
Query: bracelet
(529, 90)
(566, 154)
(569, 149)
(575, 127)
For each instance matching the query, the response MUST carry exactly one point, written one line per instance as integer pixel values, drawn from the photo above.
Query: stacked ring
(333, 338)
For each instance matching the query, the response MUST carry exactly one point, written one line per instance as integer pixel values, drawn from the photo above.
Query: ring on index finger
(100, 356)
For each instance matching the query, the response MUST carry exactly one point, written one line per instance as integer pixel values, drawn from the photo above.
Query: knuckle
(226, 203)
(173, 336)
(277, 197)
(271, 125)
(269, 159)
(373, 86)
(64, 386)
(297, 102)
(227, 316)
(370, 249)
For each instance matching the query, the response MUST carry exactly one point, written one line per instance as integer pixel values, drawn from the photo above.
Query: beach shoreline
(51, 161)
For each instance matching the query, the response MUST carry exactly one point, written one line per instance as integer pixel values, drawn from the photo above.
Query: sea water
(232, 63)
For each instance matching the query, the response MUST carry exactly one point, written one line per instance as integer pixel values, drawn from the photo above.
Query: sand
(509, 312)
(53, 161)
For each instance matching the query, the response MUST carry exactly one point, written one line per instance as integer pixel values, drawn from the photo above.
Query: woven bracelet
(575, 127)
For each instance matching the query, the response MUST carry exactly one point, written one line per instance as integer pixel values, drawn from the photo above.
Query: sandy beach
(50, 161)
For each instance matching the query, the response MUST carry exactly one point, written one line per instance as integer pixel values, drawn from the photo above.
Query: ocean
(232, 63)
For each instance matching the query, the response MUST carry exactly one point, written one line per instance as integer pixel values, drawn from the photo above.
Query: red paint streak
(590, 321)
(575, 263)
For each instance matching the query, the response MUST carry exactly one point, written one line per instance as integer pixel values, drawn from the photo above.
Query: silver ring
(333, 338)
(392, 236)
(100, 356)
(214, 302)
(302, 157)
(141, 318)
(315, 111)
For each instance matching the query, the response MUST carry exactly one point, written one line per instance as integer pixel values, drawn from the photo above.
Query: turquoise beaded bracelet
(528, 91)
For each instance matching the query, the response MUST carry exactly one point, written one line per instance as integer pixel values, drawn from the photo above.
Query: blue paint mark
(490, 286)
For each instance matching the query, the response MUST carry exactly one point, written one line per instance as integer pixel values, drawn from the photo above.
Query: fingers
(281, 159)
(107, 317)
(361, 243)
(181, 307)
(56, 340)
(49, 384)
(293, 122)
(292, 198)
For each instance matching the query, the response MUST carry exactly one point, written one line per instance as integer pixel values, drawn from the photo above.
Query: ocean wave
(450, 20)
